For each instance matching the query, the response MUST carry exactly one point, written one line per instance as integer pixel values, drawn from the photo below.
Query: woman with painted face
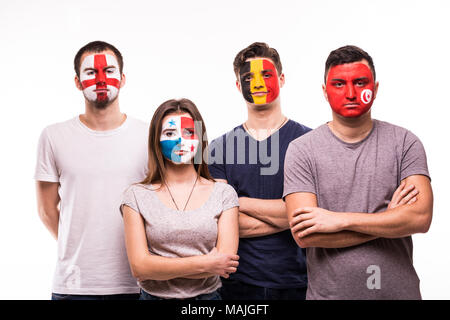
(181, 227)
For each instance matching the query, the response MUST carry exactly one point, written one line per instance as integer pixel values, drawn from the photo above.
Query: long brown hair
(156, 160)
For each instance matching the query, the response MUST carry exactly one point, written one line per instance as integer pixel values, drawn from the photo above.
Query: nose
(350, 92)
(101, 77)
(259, 82)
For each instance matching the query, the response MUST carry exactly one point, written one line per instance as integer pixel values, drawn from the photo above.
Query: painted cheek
(168, 148)
(271, 83)
(245, 85)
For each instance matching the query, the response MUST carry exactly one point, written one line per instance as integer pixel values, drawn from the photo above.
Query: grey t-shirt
(357, 177)
(177, 234)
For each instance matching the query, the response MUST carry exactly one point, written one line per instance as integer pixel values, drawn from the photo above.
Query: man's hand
(310, 220)
(403, 195)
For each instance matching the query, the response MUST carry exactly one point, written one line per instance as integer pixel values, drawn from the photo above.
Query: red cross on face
(100, 77)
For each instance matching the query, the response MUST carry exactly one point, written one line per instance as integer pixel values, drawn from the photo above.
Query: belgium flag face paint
(259, 81)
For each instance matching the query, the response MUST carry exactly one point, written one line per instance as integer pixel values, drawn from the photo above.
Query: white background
(176, 49)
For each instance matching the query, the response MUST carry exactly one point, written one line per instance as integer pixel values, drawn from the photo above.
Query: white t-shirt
(93, 169)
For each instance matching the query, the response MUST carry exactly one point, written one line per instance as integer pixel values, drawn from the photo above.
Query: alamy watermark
(238, 147)
(374, 280)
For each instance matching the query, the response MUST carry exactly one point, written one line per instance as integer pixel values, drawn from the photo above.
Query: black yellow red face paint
(350, 89)
(259, 81)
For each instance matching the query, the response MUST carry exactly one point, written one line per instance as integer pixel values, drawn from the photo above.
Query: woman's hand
(221, 264)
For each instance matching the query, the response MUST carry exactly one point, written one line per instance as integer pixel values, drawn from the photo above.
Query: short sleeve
(298, 174)
(229, 197)
(129, 199)
(46, 168)
(216, 163)
(414, 159)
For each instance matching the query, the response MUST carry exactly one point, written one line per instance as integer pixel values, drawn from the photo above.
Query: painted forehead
(90, 60)
(257, 64)
(176, 120)
(350, 70)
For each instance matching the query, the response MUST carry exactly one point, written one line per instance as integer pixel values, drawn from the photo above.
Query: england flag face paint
(179, 142)
(259, 81)
(350, 89)
(100, 77)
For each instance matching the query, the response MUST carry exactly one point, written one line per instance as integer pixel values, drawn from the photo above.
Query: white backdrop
(176, 49)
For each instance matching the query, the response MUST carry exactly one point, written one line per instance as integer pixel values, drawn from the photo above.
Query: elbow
(301, 242)
(425, 223)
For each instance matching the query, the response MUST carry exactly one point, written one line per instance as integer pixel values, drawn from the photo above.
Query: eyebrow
(248, 73)
(107, 67)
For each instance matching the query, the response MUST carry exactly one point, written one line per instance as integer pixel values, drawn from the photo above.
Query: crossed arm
(222, 260)
(316, 227)
(261, 217)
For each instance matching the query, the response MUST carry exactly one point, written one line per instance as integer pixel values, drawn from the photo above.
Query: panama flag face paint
(179, 142)
(100, 77)
(259, 81)
(350, 89)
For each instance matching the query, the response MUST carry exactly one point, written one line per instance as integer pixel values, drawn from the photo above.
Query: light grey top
(357, 177)
(173, 233)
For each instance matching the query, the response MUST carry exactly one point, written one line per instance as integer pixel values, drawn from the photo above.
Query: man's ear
(324, 89)
(238, 86)
(78, 83)
(122, 81)
(375, 90)
(282, 80)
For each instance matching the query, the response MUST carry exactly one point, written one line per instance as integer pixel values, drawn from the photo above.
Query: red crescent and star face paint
(100, 77)
(350, 89)
(259, 81)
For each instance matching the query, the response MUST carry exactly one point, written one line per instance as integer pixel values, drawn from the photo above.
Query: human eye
(361, 83)
(337, 84)
(90, 72)
(110, 70)
(188, 132)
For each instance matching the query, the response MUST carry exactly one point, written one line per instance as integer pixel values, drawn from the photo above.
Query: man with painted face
(250, 158)
(81, 173)
(337, 185)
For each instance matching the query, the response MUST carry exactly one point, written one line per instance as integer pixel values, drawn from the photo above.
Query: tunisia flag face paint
(179, 142)
(259, 81)
(350, 89)
(100, 77)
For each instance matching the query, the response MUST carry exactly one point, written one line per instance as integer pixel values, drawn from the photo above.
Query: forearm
(50, 218)
(271, 211)
(152, 267)
(340, 239)
(250, 227)
(399, 222)
(202, 275)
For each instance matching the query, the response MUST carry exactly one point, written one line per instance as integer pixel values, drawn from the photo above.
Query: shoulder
(57, 129)
(228, 135)
(397, 134)
(224, 188)
(139, 189)
(297, 127)
(137, 124)
(309, 138)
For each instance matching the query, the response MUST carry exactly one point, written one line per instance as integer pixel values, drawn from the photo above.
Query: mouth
(180, 152)
(259, 93)
(101, 90)
(352, 105)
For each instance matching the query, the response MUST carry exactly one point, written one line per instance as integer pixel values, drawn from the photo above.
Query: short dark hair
(257, 49)
(96, 46)
(348, 54)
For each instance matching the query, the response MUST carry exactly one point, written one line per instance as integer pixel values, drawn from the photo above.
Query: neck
(351, 130)
(267, 117)
(180, 173)
(103, 119)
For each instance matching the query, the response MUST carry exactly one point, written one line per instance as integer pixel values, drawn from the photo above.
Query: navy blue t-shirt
(255, 169)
